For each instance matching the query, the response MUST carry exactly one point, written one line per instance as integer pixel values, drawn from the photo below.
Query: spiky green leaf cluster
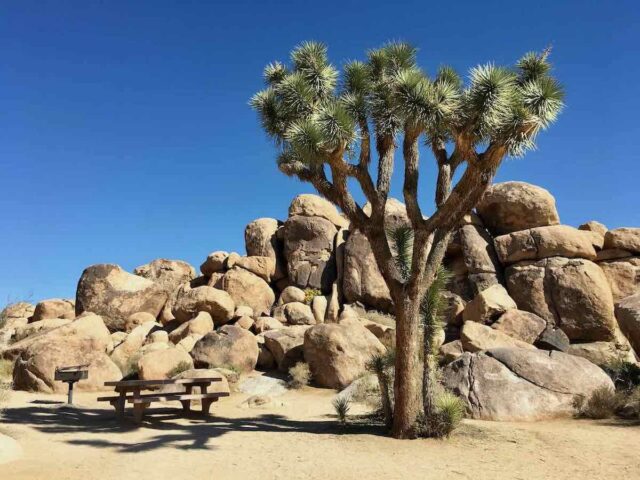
(311, 113)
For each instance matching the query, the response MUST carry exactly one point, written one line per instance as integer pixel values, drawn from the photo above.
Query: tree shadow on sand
(170, 428)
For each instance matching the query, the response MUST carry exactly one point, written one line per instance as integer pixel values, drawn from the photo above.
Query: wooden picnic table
(131, 391)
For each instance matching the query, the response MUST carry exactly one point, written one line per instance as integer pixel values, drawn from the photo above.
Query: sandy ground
(298, 438)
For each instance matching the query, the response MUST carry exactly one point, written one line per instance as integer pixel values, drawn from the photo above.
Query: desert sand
(297, 437)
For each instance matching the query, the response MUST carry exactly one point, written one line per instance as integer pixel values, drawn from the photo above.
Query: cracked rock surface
(511, 384)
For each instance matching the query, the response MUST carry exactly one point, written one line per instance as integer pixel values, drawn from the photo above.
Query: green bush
(299, 375)
(309, 294)
(603, 403)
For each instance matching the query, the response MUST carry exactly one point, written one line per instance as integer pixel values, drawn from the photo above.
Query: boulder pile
(531, 309)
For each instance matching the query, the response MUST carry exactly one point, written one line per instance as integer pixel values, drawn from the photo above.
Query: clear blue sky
(125, 133)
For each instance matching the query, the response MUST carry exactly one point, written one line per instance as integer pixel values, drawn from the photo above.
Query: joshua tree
(327, 131)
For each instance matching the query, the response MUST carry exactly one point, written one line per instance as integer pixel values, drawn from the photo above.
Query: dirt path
(297, 438)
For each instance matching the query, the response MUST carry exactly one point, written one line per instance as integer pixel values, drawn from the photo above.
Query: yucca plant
(380, 365)
(342, 405)
(328, 127)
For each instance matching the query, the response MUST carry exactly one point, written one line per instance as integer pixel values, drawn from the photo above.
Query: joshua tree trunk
(407, 367)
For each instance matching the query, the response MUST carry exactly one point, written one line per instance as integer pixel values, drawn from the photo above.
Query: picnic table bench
(130, 391)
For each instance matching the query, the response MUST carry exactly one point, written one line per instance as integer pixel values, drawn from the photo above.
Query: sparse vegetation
(449, 411)
(178, 369)
(342, 405)
(603, 403)
(299, 375)
(380, 317)
(6, 370)
(309, 294)
(625, 375)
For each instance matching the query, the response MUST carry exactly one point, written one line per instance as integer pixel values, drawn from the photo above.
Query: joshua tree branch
(411, 173)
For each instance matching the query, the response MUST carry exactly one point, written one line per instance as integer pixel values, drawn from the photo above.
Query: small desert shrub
(309, 294)
(381, 318)
(449, 412)
(5, 393)
(342, 405)
(625, 375)
(178, 369)
(6, 370)
(299, 375)
(630, 407)
(602, 403)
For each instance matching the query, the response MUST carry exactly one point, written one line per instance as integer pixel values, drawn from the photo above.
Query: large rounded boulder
(230, 346)
(511, 206)
(168, 275)
(628, 315)
(191, 301)
(572, 294)
(520, 384)
(107, 290)
(337, 353)
(261, 240)
(310, 205)
(247, 289)
(54, 308)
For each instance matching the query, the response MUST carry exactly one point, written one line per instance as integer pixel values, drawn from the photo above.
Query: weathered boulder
(263, 267)
(245, 288)
(623, 276)
(319, 306)
(114, 294)
(264, 324)
(54, 308)
(512, 206)
(452, 308)
(476, 337)
(628, 315)
(384, 333)
(125, 354)
(488, 305)
(298, 313)
(309, 205)
(169, 275)
(137, 319)
(17, 310)
(543, 242)
(88, 332)
(217, 303)
(27, 330)
(35, 371)
(230, 346)
(291, 294)
(158, 336)
(477, 250)
(520, 325)
(595, 227)
(261, 239)
(553, 339)
(243, 311)
(601, 353)
(200, 325)
(286, 345)
(244, 322)
(572, 294)
(308, 249)
(164, 363)
(522, 385)
(612, 254)
(188, 342)
(451, 351)
(362, 280)
(214, 263)
(623, 238)
(337, 353)
(82, 341)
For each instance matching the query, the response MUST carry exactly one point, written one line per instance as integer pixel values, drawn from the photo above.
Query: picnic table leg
(120, 404)
(138, 411)
(206, 405)
(186, 405)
